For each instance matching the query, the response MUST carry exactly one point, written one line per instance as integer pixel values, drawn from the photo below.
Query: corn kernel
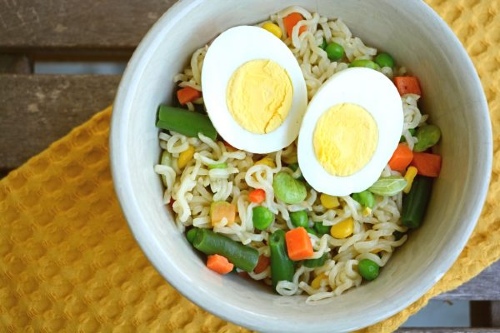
(343, 229)
(366, 211)
(266, 161)
(316, 282)
(329, 201)
(409, 176)
(185, 157)
(272, 28)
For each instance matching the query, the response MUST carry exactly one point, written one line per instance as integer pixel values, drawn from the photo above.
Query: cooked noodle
(195, 186)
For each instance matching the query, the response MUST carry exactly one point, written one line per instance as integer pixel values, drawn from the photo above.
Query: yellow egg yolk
(345, 139)
(259, 96)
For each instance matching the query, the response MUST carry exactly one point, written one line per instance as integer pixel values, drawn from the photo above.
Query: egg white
(378, 95)
(228, 52)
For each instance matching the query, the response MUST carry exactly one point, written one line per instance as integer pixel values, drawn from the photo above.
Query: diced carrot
(427, 164)
(219, 264)
(407, 85)
(262, 264)
(220, 210)
(401, 157)
(187, 94)
(257, 196)
(298, 244)
(290, 21)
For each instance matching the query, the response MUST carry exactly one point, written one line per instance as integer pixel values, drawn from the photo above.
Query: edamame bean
(428, 136)
(365, 198)
(364, 63)
(368, 269)
(384, 60)
(262, 217)
(334, 51)
(388, 186)
(299, 218)
(288, 189)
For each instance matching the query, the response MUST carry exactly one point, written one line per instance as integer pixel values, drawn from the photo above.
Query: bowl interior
(452, 96)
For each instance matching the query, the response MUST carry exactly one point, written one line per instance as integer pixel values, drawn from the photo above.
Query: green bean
(318, 262)
(288, 189)
(334, 51)
(282, 267)
(384, 60)
(191, 234)
(364, 63)
(416, 201)
(368, 269)
(365, 198)
(242, 256)
(299, 218)
(388, 186)
(185, 122)
(427, 136)
(262, 217)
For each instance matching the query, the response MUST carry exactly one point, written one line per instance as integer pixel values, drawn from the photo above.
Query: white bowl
(454, 98)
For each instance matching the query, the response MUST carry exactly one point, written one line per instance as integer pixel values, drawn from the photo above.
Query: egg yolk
(259, 96)
(345, 138)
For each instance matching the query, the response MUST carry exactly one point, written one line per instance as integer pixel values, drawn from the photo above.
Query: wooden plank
(484, 287)
(15, 64)
(36, 110)
(75, 24)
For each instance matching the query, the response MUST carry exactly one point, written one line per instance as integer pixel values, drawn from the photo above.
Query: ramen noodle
(191, 188)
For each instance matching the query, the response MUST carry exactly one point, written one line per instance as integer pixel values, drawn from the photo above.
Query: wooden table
(36, 109)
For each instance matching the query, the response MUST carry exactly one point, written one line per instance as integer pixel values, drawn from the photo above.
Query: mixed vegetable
(415, 167)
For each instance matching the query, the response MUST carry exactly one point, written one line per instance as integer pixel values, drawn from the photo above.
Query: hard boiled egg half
(253, 89)
(350, 130)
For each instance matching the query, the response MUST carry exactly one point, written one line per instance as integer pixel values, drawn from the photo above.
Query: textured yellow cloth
(69, 263)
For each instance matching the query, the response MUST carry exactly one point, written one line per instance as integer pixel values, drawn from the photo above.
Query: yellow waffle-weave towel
(69, 263)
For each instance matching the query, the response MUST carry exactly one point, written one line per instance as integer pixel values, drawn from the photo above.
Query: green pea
(321, 228)
(365, 198)
(288, 189)
(334, 51)
(428, 136)
(368, 269)
(262, 217)
(323, 44)
(299, 218)
(311, 231)
(364, 63)
(384, 60)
